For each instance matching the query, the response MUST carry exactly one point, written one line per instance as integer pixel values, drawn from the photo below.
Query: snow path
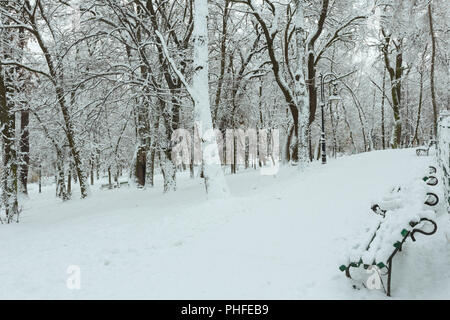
(277, 238)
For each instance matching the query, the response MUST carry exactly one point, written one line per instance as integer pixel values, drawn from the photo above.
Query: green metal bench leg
(388, 293)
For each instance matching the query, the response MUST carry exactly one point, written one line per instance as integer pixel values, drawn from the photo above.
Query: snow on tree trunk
(212, 171)
(61, 190)
(168, 171)
(9, 155)
(300, 88)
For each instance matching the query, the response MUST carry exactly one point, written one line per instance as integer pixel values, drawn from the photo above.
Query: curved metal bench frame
(423, 151)
(431, 194)
(397, 249)
(431, 180)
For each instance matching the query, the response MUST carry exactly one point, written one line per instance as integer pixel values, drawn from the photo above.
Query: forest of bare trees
(97, 88)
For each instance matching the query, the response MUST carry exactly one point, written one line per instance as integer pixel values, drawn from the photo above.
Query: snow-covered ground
(277, 238)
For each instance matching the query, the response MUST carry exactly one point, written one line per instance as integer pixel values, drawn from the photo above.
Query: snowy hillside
(276, 238)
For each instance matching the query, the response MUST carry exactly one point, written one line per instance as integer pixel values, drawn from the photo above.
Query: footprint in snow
(178, 244)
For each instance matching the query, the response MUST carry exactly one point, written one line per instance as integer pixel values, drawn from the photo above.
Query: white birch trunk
(214, 178)
(300, 88)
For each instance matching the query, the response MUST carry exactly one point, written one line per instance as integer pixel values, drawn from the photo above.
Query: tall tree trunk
(419, 109)
(24, 144)
(142, 106)
(151, 167)
(92, 171)
(395, 74)
(9, 156)
(69, 182)
(167, 164)
(433, 56)
(56, 78)
(223, 50)
(143, 136)
(151, 155)
(110, 186)
(61, 190)
(9, 168)
(312, 91)
(142, 148)
(40, 178)
(355, 149)
(168, 170)
(140, 165)
(215, 183)
(24, 150)
(300, 91)
(383, 132)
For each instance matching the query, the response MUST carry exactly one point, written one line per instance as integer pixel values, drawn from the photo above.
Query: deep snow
(278, 237)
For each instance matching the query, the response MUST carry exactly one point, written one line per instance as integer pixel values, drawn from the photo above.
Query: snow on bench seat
(392, 232)
(405, 208)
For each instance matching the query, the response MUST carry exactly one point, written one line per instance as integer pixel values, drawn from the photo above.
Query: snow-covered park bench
(422, 151)
(401, 215)
(114, 185)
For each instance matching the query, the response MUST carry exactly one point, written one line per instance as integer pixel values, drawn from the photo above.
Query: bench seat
(401, 214)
